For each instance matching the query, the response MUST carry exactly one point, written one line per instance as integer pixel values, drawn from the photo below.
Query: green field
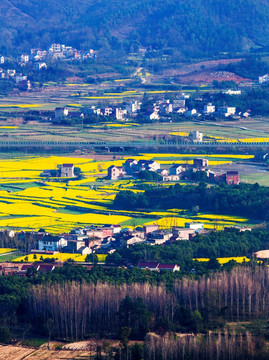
(260, 178)
(143, 132)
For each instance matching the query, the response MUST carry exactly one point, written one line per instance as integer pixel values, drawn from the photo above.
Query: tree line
(79, 308)
(247, 200)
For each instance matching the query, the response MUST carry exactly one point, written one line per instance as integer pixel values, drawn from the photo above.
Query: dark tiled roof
(166, 266)
(148, 264)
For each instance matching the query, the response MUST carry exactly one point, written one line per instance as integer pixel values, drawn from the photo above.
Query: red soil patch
(206, 77)
(75, 79)
(201, 66)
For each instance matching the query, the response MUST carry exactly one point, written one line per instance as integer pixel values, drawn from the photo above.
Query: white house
(120, 113)
(25, 58)
(175, 169)
(115, 172)
(190, 113)
(153, 115)
(130, 166)
(133, 107)
(51, 243)
(194, 225)
(232, 92)
(40, 65)
(197, 136)
(209, 109)
(227, 110)
(67, 170)
(263, 79)
(60, 113)
(149, 165)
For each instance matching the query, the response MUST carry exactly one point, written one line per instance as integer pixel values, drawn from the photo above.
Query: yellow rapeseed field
(31, 202)
(224, 260)
(58, 256)
(6, 250)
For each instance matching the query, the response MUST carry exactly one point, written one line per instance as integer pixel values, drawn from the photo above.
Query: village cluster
(156, 111)
(39, 59)
(106, 240)
(131, 169)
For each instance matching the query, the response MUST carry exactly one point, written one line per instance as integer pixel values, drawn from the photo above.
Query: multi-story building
(197, 136)
(51, 243)
(67, 170)
(200, 163)
(115, 172)
(209, 109)
(232, 178)
(227, 110)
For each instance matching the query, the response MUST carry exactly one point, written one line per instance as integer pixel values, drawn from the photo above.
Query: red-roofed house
(46, 267)
(169, 267)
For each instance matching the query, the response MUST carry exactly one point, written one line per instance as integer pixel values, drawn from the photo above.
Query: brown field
(211, 64)
(11, 352)
(247, 128)
(207, 76)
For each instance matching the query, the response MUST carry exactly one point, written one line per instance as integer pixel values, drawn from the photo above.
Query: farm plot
(28, 201)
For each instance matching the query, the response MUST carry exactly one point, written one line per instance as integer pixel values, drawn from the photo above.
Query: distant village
(39, 59)
(104, 239)
(132, 168)
(161, 109)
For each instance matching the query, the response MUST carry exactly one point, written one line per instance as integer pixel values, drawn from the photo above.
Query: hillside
(195, 27)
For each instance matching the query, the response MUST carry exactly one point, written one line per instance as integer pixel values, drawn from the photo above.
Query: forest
(79, 308)
(194, 28)
(247, 200)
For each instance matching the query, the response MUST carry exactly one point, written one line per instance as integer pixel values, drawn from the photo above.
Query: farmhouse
(155, 266)
(67, 170)
(115, 172)
(150, 228)
(60, 113)
(194, 225)
(149, 165)
(51, 243)
(200, 163)
(182, 233)
(170, 177)
(196, 136)
(169, 267)
(209, 109)
(226, 110)
(176, 169)
(130, 166)
(232, 178)
(148, 265)
(77, 247)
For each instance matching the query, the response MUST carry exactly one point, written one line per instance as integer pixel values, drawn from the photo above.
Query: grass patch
(11, 257)
(260, 178)
(69, 211)
(136, 222)
(34, 342)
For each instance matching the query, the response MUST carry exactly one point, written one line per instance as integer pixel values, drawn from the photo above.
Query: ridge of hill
(193, 28)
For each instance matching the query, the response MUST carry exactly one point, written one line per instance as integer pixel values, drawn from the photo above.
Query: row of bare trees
(244, 292)
(214, 346)
(78, 309)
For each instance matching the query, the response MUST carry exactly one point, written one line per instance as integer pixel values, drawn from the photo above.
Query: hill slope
(195, 26)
